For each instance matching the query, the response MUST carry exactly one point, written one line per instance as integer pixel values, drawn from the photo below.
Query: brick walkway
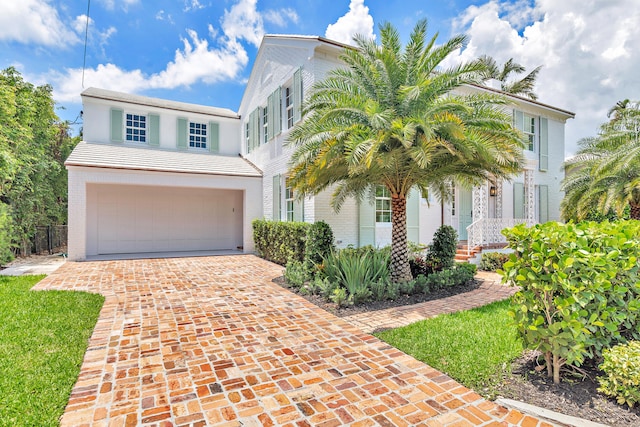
(489, 291)
(210, 341)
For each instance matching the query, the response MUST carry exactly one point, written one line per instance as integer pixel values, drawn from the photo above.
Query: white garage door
(134, 219)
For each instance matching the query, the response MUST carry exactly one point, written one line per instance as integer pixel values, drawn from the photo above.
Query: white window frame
(383, 205)
(142, 133)
(265, 125)
(247, 140)
(289, 201)
(529, 129)
(198, 134)
(288, 103)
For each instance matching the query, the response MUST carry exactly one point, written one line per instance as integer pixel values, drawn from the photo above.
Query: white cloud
(111, 4)
(280, 17)
(34, 21)
(587, 50)
(356, 21)
(164, 16)
(243, 22)
(192, 5)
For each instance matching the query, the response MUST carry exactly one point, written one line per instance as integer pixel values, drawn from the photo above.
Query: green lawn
(474, 347)
(43, 337)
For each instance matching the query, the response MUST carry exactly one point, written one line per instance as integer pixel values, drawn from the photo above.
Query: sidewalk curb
(548, 415)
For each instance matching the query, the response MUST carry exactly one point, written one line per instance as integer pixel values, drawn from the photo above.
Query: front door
(465, 212)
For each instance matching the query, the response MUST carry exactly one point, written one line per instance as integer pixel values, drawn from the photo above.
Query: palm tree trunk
(400, 270)
(634, 209)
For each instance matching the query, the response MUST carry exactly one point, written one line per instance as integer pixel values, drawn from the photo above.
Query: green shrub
(326, 287)
(339, 296)
(280, 241)
(357, 269)
(443, 248)
(318, 244)
(459, 274)
(422, 286)
(5, 235)
(621, 369)
(579, 288)
(493, 261)
(408, 287)
(379, 289)
(295, 274)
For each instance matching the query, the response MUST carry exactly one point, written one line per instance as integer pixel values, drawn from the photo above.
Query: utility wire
(86, 36)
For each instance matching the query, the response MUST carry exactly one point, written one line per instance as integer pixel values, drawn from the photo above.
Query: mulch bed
(380, 305)
(575, 395)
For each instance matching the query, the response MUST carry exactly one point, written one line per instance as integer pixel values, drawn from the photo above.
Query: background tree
(604, 175)
(33, 146)
(389, 118)
(522, 87)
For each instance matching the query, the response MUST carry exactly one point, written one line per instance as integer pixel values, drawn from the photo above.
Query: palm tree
(523, 87)
(389, 118)
(605, 173)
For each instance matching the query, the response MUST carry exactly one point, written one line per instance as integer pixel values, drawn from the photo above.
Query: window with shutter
(544, 145)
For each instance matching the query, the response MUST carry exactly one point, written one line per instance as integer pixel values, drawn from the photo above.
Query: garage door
(134, 219)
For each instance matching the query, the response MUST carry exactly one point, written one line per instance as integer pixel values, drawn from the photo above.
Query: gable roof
(155, 159)
(110, 95)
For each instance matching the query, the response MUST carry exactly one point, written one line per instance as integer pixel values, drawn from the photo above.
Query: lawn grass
(473, 347)
(43, 337)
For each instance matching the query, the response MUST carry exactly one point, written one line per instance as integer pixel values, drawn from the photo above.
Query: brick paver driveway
(211, 341)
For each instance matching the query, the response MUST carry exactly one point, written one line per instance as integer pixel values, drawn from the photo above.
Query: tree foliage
(523, 86)
(604, 175)
(389, 118)
(33, 146)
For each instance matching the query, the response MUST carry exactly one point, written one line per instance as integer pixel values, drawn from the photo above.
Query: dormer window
(197, 135)
(135, 128)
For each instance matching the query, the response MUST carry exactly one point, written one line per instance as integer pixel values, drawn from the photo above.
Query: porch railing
(487, 231)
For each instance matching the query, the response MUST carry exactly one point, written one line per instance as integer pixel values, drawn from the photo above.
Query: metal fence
(49, 239)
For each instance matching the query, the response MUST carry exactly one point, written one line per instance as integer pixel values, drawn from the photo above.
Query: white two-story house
(153, 176)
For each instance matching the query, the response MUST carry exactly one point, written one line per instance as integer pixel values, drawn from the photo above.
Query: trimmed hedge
(580, 288)
(280, 241)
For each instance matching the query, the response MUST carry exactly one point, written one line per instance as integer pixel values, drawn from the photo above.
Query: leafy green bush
(580, 288)
(621, 369)
(339, 296)
(319, 243)
(443, 248)
(459, 274)
(295, 274)
(357, 269)
(5, 235)
(493, 261)
(280, 241)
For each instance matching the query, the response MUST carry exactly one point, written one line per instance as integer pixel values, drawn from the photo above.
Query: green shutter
(276, 112)
(255, 125)
(543, 191)
(413, 215)
(298, 210)
(116, 125)
(252, 136)
(297, 95)
(518, 200)
(214, 137)
(181, 133)
(544, 144)
(154, 129)
(270, 108)
(276, 198)
(367, 223)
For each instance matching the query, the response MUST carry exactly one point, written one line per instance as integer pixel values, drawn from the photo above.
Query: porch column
(530, 196)
(498, 198)
(480, 202)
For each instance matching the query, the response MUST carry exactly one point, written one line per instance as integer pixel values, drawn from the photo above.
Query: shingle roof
(153, 159)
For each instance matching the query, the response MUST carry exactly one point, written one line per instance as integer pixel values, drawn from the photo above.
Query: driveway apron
(211, 341)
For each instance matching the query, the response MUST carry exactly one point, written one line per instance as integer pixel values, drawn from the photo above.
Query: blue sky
(202, 51)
